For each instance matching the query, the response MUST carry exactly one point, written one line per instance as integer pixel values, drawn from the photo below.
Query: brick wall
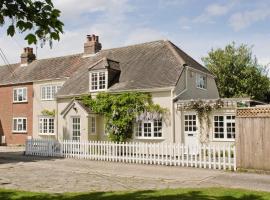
(8, 110)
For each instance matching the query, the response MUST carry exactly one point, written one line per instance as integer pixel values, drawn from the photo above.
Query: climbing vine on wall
(121, 110)
(203, 110)
(48, 112)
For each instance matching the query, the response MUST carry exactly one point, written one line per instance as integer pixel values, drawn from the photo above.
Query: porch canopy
(226, 102)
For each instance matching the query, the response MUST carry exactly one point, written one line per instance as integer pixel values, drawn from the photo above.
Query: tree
(238, 72)
(121, 110)
(39, 18)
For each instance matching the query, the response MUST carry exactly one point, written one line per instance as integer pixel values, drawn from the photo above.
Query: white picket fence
(174, 154)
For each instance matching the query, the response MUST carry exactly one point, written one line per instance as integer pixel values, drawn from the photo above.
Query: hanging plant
(121, 110)
(203, 110)
(46, 112)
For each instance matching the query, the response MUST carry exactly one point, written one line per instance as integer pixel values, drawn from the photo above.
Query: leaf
(11, 30)
(55, 36)
(31, 38)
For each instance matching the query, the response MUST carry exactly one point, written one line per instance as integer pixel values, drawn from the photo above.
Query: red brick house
(16, 113)
(16, 108)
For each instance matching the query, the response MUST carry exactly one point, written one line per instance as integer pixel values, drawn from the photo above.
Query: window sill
(19, 132)
(46, 134)
(96, 91)
(223, 140)
(204, 89)
(150, 138)
(20, 102)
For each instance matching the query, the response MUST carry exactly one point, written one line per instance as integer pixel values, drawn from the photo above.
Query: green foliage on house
(121, 110)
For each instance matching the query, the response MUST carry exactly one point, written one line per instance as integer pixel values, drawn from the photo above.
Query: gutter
(164, 89)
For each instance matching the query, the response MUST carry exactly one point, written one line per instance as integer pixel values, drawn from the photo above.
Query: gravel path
(70, 175)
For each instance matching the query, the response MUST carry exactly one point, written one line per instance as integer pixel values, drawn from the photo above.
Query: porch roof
(72, 103)
(227, 102)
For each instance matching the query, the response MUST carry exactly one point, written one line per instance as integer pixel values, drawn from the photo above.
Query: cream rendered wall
(161, 98)
(67, 135)
(164, 99)
(64, 122)
(180, 137)
(40, 105)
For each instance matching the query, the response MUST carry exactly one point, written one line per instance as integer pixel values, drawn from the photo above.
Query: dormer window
(103, 74)
(98, 81)
(201, 81)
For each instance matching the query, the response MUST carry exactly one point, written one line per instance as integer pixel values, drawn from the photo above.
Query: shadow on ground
(209, 194)
(18, 156)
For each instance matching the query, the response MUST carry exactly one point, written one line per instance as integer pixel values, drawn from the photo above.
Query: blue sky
(195, 26)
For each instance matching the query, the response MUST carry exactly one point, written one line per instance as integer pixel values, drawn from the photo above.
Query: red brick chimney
(27, 56)
(92, 45)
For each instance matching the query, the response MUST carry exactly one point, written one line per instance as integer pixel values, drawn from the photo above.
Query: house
(27, 91)
(47, 91)
(159, 68)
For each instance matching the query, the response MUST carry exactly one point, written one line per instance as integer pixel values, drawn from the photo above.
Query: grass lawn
(169, 194)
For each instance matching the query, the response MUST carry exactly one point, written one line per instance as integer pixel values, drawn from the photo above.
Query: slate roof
(156, 64)
(43, 69)
(7, 71)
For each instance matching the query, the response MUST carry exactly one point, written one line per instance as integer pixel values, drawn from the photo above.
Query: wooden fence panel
(253, 139)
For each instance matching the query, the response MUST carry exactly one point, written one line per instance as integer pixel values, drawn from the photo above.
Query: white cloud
(72, 9)
(214, 10)
(186, 27)
(241, 20)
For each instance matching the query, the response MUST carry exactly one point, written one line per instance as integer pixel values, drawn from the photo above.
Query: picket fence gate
(174, 154)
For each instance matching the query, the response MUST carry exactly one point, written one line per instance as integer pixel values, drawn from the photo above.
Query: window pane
(93, 124)
(51, 125)
(157, 128)
(24, 124)
(102, 82)
(190, 124)
(24, 95)
(147, 129)
(94, 81)
(14, 124)
(218, 126)
(15, 95)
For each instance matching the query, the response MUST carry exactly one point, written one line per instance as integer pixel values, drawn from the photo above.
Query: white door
(76, 128)
(191, 129)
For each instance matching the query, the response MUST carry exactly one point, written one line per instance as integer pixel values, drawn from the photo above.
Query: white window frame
(225, 121)
(93, 129)
(44, 96)
(80, 128)
(41, 122)
(22, 91)
(190, 124)
(139, 126)
(98, 81)
(201, 78)
(17, 125)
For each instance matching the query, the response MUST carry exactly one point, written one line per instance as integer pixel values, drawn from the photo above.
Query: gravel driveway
(70, 175)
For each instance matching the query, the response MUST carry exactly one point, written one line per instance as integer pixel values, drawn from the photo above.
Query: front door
(191, 129)
(76, 128)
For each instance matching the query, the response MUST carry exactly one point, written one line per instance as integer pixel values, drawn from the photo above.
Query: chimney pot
(27, 56)
(92, 45)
